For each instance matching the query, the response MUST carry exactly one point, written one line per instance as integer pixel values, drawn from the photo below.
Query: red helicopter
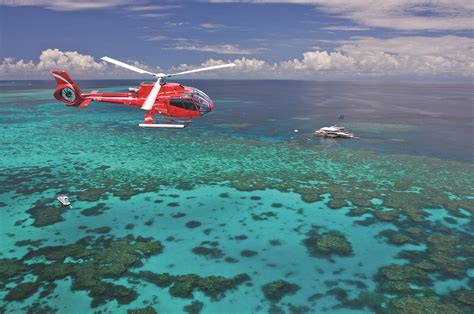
(178, 102)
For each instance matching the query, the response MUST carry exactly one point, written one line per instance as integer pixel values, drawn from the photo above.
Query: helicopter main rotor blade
(150, 99)
(127, 66)
(204, 69)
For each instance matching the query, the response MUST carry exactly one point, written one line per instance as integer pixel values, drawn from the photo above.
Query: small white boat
(63, 199)
(333, 132)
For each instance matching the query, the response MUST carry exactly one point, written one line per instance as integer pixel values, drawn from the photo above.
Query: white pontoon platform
(63, 199)
(333, 131)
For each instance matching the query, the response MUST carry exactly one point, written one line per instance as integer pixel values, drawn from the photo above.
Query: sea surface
(238, 213)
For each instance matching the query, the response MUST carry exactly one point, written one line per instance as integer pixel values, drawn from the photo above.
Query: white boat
(63, 199)
(333, 131)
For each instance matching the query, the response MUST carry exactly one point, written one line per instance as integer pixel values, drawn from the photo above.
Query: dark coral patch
(208, 252)
(184, 286)
(275, 242)
(464, 296)
(96, 210)
(100, 230)
(386, 215)
(160, 280)
(145, 310)
(92, 194)
(397, 279)
(45, 212)
(213, 286)
(185, 186)
(194, 308)
(248, 253)
(276, 290)
(193, 224)
(34, 243)
(423, 305)
(178, 215)
(327, 244)
(264, 215)
(231, 260)
(99, 258)
(396, 237)
(337, 203)
(358, 211)
(22, 291)
(149, 222)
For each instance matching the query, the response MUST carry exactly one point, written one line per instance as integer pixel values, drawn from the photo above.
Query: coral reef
(193, 224)
(264, 215)
(22, 291)
(423, 305)
(248, 253)
(327, 244)
(96, 259)
(213, 286)
(411, 187)
(194, 308)
(95, 210)
(208, 252)
(146, 310)
(45, 212)
(465, 296)
(358, 211)
(276, 290)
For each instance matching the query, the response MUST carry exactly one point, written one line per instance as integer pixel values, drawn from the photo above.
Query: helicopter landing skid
(163, 123)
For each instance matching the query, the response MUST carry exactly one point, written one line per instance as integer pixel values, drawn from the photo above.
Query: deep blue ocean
(238, 213)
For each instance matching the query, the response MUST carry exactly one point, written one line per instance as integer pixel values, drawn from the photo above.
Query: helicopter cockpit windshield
(202, 101)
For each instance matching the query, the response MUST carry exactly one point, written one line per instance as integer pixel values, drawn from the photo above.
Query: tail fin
(67, 91)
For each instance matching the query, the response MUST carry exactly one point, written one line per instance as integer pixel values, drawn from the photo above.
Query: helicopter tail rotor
(67, 91)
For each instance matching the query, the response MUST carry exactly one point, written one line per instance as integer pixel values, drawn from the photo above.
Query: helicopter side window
(184, 103)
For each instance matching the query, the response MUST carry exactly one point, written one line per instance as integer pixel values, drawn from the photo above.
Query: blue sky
(299, 39)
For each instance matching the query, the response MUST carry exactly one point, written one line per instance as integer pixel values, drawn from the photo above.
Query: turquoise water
(239, 192)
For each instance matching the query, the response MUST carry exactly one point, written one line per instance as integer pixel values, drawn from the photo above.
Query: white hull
(64, 200)
(333, 132)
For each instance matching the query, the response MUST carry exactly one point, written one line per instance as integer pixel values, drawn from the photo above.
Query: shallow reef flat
(198, 222)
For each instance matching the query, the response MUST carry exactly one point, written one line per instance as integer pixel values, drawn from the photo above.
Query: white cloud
(50, 59)
(446, 55)
(10, 65)
(345, 28)
(153, 15)
(211, 26)
(394, 14)
(243, 65)
(415, 56)
(54, 59)
(66, 5)
(220, 49)
(154, 38)
(367, 56)
(72, 61)
(141, 8)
